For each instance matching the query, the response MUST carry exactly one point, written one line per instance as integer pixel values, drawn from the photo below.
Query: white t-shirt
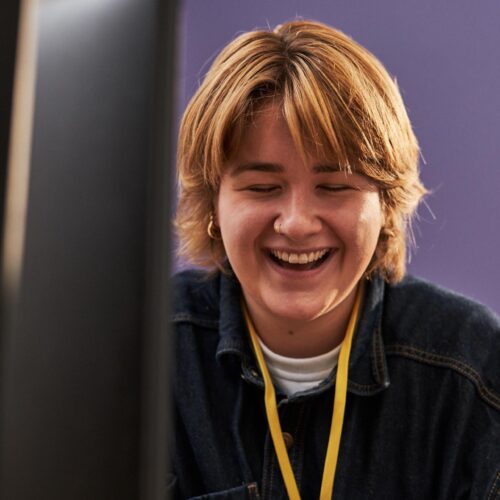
(294, 375)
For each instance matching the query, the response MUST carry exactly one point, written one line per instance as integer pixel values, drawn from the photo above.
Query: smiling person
(308, 363)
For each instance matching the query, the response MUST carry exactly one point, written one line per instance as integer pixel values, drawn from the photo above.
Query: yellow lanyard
(332, 451)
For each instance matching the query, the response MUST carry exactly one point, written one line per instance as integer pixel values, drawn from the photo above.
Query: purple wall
(446, 58)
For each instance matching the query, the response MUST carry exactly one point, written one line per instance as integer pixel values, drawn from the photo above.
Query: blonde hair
(338, 101)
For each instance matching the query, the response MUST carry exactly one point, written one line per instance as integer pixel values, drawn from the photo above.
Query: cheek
(241, 227)
(365, 225)
(371, 223)
(240, 216)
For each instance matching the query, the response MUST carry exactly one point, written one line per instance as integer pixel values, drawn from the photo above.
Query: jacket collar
(367, 365)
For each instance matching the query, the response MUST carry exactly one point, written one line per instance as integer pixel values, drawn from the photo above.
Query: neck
(297, 338)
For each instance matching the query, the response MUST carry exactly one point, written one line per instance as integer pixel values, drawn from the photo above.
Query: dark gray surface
(445, 58)
(84, 353)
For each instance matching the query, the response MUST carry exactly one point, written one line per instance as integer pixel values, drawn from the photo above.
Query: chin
(293, 311)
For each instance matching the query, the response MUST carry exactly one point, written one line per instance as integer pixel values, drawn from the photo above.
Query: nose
(299, 218)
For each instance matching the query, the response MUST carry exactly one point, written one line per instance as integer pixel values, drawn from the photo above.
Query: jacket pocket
(244, 492)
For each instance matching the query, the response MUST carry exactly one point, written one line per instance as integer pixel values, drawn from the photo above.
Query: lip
(296, 273)
(299, 250)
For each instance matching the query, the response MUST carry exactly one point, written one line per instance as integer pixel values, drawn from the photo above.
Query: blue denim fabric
(423, 407)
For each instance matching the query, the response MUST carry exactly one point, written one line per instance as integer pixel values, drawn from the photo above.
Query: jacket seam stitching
(462, 368)
(377, 354)
(495, 488)
(364, 387)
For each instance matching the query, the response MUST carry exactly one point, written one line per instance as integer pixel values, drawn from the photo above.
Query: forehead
(267, 135)
(266, 127)
(267, 145)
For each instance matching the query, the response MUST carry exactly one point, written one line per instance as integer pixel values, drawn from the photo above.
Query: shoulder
(419, 303)
(195, 296)
(430, 324)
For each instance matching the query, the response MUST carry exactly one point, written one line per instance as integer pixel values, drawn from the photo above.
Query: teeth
(303, 258)
(299, 258)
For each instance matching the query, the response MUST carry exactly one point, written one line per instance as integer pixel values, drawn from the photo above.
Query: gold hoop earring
(277, 227)
(212, 230)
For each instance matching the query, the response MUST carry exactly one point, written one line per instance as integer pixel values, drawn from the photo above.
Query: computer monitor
(85, 232)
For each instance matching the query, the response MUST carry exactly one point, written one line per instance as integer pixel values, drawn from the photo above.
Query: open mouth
(300, 261)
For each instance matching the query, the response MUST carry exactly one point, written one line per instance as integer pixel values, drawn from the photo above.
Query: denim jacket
(422, 419)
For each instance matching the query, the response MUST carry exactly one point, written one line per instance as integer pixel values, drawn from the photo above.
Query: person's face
(329, 223)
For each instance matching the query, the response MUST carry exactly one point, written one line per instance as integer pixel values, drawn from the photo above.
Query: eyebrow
(256, 167)
(277, 168)
(326, 169)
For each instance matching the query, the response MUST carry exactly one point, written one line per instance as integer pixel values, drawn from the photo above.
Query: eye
(334, 188)
(262, 188)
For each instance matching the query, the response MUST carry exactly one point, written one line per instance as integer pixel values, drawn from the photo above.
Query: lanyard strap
(337, 416)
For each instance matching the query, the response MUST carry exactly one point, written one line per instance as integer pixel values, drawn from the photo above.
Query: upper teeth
(299, 258)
